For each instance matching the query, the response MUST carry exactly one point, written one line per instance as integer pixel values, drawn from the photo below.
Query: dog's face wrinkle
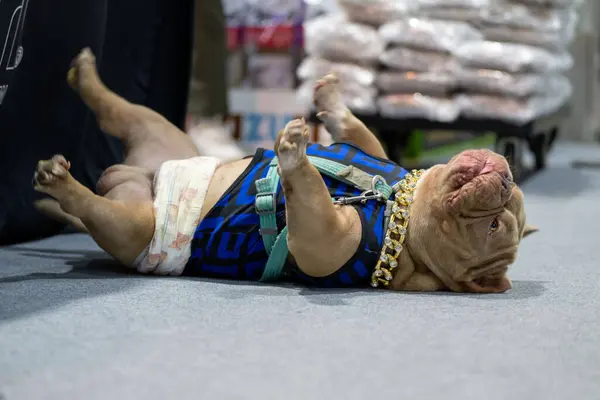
(470, 249)
(484, 193)
(491, 264)
(460, 240)
(490, 249)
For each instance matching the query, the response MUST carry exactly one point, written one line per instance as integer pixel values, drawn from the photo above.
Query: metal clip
(363, 198)
(376, 179)
(372, 194)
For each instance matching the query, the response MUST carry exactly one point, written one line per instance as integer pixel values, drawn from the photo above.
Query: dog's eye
(494, 225)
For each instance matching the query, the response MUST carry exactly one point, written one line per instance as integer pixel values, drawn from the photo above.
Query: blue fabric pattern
(227, 243)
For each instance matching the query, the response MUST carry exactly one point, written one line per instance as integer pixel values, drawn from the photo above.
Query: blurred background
(429, 77)
(435, 67)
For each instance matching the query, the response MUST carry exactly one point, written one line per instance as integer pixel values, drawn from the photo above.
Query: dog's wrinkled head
(467, 220)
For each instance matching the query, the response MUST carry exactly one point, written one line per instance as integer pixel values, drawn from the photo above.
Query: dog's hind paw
(83, 74)
(50, 174)
(329, 104)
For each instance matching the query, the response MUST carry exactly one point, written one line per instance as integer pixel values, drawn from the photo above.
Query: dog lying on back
(329, 216)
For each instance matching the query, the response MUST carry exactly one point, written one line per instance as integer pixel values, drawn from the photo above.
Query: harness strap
(351, 175)
(266, 203)
(277, 258)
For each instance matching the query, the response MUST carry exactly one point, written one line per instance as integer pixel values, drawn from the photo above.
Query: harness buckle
(273, 203)
(376, 179)
(268, 231)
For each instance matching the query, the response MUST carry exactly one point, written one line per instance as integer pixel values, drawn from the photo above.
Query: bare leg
(149, 140)
(122, 221)
(148, 137)
(315, 225)
(119, 182)
(122, 228)
(339, 120)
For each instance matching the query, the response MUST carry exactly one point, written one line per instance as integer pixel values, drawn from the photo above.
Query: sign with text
(256, 116)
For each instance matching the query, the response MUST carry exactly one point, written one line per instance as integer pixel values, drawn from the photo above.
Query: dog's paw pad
(327, 97)
(83, 70)
(329, 104)
(51, 172)
(291, 144)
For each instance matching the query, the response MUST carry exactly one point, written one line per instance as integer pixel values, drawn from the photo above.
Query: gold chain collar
(397, 228)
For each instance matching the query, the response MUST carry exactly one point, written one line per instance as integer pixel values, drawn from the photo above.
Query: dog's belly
(223, 178)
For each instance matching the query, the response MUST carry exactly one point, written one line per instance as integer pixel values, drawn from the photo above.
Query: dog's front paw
(329, 104)
(291, 145)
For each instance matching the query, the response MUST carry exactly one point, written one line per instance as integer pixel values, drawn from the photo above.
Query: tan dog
(466, 219)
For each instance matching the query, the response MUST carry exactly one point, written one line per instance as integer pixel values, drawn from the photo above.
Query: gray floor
(73, 326)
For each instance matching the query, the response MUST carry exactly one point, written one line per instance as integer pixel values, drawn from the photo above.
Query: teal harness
(373, 187)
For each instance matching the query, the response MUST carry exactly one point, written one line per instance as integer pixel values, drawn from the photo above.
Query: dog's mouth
(478, 182)
(471, 164)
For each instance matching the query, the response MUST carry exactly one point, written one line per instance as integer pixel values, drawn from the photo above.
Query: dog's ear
(529, 229)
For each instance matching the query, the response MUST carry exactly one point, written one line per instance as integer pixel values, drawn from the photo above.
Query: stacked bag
(349, 44)
(439, 59)
(417, 77)
(517, 73)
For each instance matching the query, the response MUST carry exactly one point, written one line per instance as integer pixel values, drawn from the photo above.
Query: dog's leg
(339, 120)
(51, 208)
(149, 138)
(111, 223)
(315, 225)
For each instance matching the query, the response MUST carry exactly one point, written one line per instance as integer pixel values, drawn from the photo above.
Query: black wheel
(552, 138)
(512, 149)
(540, 145)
